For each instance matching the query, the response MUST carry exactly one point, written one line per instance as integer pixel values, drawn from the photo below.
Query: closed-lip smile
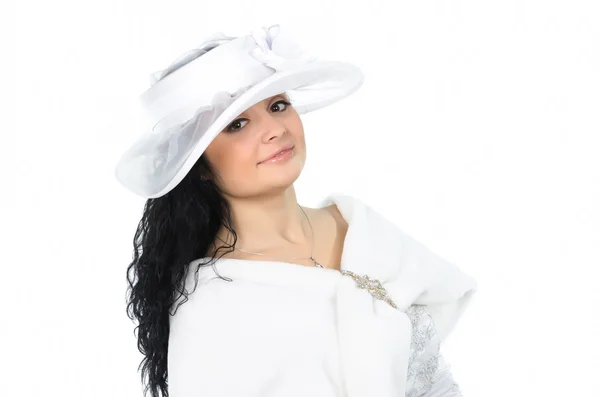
(275, 153)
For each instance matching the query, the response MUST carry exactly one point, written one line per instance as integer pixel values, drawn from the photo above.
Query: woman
(241, 291)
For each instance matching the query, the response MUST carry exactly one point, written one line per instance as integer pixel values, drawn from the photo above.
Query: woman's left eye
(286, 103)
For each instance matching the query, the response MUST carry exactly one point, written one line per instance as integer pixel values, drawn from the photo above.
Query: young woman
(237, 288)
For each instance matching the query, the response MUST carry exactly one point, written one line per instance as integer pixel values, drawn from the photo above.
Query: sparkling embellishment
(427, 371)
(372, 285)
(424, 348)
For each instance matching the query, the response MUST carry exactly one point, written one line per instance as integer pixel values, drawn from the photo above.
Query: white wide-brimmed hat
(191, 101)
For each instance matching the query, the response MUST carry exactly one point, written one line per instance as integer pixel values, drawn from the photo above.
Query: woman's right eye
(237, 122)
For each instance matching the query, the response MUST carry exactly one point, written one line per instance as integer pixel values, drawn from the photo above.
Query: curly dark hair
(174, 230)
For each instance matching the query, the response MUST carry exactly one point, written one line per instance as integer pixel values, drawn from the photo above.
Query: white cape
(284, 329)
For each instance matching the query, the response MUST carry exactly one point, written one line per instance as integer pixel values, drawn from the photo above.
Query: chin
(287, 178)
(284, 176)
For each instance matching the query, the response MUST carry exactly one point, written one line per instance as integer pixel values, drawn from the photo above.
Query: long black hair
(174, 230)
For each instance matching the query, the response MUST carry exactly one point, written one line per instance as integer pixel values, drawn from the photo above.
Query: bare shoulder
(333, 212)
(325, 218)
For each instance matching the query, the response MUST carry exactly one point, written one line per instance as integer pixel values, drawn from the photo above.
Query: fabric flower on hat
(278, 50)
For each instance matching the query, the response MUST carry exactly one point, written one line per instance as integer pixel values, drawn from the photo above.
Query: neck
(264, 223)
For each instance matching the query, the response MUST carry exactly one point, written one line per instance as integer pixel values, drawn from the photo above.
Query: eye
(237, 122)
(286, 103)
(235, 125)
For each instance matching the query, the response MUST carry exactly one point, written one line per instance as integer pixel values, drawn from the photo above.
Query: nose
(271, 125)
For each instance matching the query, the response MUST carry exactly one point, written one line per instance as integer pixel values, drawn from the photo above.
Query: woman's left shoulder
(334, 213)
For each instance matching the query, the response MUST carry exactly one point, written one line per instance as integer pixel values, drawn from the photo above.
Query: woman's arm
(443, 382)
(428, 373)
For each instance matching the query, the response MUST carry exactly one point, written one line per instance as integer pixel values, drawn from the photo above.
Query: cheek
(296, 127)
(236, 158)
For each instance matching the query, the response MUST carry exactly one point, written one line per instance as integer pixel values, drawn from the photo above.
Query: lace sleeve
(428, 372)
(443, 382)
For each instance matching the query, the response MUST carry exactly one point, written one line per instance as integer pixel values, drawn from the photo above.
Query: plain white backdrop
(476, 131)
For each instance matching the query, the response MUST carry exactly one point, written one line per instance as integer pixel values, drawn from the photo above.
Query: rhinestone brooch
(372, 285)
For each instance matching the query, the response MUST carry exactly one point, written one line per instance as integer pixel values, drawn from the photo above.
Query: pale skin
(265, 212)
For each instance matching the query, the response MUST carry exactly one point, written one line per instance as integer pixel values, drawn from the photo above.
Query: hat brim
(311, 87)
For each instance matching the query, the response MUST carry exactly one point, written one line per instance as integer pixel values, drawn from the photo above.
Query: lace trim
(423, 362)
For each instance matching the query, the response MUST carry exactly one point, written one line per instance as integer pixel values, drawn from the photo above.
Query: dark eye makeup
(238, 121)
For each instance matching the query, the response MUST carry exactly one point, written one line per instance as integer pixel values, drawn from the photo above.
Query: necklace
(311, 250)
(373, 286)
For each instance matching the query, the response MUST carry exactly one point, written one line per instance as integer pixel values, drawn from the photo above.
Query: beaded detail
(427, 371)
(372, 285)
(424, 348)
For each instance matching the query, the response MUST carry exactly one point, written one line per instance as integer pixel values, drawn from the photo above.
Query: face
(239, 151)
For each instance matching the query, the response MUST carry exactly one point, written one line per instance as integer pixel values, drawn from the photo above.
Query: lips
(278, 151)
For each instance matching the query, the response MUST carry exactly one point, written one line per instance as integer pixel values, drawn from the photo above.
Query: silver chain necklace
(312, 247)
(373, 286)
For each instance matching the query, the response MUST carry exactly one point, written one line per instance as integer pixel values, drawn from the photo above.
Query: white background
(476, 131)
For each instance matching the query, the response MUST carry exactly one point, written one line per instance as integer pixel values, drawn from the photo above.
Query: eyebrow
(270, 99)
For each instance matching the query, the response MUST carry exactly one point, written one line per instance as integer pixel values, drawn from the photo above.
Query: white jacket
(287, 330)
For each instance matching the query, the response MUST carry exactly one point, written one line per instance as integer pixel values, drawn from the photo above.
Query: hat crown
(220, 64)
(209, 43)
(276, 48)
